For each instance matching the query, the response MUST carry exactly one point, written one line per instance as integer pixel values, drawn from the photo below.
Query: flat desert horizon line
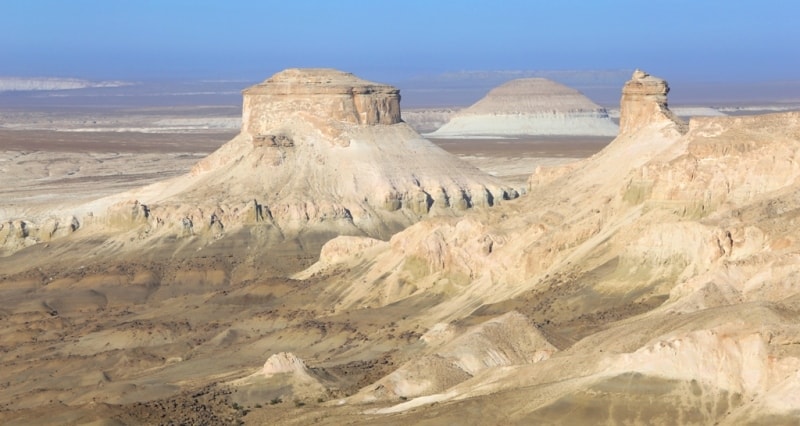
(453, 89)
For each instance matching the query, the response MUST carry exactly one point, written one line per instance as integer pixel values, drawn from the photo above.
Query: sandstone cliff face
(530, 106)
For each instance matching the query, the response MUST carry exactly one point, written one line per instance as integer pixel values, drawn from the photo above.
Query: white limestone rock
(530, 106)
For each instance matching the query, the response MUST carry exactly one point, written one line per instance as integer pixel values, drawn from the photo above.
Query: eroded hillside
(653, 283)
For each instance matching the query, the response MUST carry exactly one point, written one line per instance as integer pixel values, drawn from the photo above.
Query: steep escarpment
(530, 106)
(321, 153)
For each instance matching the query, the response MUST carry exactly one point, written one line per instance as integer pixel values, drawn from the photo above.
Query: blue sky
(389, 40)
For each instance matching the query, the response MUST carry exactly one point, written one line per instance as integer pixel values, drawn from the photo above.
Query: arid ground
(48, 166)
(135, 329)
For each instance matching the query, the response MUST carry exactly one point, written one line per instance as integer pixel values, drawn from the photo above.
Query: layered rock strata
(668, 261)
(644, 101)
(530, 106)
(321, 94)
(320, 152)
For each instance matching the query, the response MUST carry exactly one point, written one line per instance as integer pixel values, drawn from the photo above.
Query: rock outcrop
(530, 106)
(283, 376)
(283, 362)
(322, 94)
(644, 101)
(321, 153)
(500, 342)
(668, 261)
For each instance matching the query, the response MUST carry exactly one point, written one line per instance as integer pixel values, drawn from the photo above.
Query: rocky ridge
(664, 262)
(530, 106)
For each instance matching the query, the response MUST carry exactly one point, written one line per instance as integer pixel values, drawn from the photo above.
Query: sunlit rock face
(644, 101)
(323, 94)
(321, 153)
(695, 225)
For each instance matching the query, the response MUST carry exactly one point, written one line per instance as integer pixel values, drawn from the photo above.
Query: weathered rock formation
(321, 153)
(667, 262)
(283, 362)
(504, 341)
(644, 101)
(321, 94)
(530, 106)
(283, 375)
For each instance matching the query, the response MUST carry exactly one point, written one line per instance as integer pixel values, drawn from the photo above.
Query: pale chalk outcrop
(321, 152)
(644, 101)
(694, 225)
(283, 376)
(321, 94)
(725, 357)
(530, 106)
(507, 340)
(283, 362)
(17, 234)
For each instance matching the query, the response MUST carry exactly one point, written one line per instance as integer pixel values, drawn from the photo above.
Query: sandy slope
(643, 276)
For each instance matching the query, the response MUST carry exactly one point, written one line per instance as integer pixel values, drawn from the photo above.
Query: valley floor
(47, 167)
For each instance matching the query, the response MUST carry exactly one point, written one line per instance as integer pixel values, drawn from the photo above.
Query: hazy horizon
(425, 91)
(683, 41)
(436, 53)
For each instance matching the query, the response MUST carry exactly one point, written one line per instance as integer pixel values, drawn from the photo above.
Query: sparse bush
(276, 400)
(298, 403)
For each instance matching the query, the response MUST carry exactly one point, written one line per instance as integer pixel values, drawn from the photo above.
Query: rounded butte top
(530, 106)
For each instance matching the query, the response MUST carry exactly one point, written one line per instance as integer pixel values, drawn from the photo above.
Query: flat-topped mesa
(533, 95)
(322, 93)
(287, 177)
(530, 106)
(644, 101)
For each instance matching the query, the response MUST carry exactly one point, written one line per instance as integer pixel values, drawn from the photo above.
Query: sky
(386, 40)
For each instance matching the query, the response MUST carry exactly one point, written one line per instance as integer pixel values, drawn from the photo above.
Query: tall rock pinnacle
(644, 101)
